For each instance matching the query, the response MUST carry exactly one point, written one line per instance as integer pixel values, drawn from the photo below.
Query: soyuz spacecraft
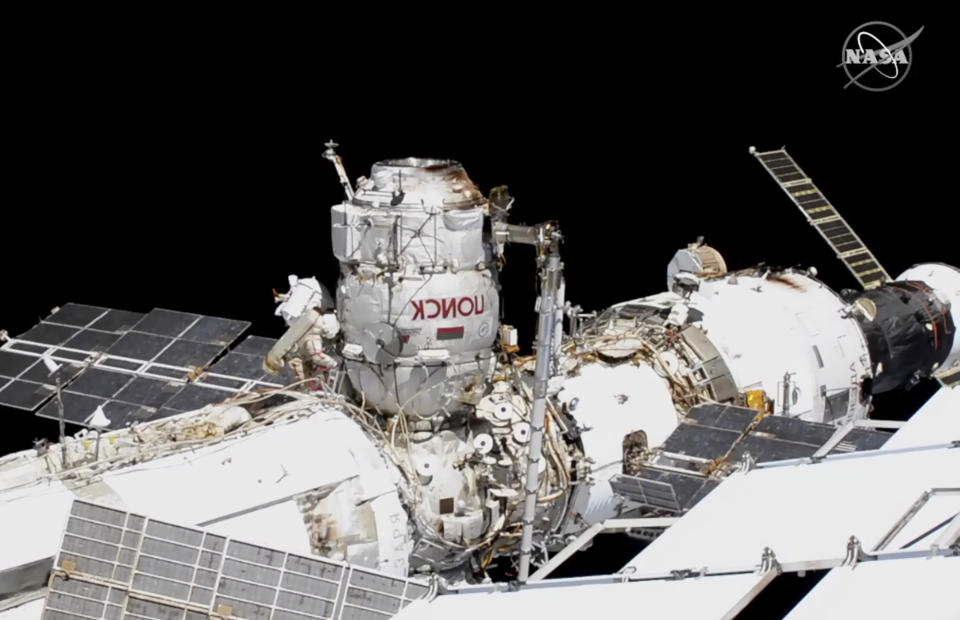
(396, 434)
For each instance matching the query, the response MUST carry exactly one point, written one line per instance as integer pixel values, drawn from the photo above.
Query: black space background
(184, 170)
(187, 173)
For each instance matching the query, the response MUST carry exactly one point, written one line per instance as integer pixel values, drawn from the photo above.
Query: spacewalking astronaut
(310, 358)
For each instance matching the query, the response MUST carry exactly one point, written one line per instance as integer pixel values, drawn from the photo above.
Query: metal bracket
(855, 553)
(686, 573)
(769, 563)
(626, 572)
(833, 442)
(434, 588)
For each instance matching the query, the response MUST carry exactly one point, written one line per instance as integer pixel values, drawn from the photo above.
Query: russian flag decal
(449, 333)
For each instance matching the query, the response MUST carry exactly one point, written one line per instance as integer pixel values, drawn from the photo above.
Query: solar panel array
(675, 480)
(648, 492)
(117, 565)
(138, 367)
(822, 215)
(710, 431)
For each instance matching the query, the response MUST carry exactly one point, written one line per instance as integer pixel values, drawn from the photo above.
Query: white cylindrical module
(611, 402)
(456, 312)
(417, 291)
(791, 336)
(777, 341)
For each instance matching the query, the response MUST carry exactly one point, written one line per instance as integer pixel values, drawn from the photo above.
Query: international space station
(393, 454)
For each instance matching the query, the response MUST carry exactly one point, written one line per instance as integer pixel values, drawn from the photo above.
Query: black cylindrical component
(909, 332)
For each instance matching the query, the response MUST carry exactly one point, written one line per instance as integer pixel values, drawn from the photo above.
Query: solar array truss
(711, 431)
(648, 492)
(822, 215)
(115, 565)
(676, 480)
(138, 367)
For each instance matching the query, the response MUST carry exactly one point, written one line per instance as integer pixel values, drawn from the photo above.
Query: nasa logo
(450, 307)
(872, 64)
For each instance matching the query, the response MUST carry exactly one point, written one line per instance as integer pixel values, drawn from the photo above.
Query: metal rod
(950, 535)
(550, 283)
(833, 441)
(63, 429)
(786, 391)
(559, 558)
(331, 155)
(910, 514)
(879, 423)
(588, 534)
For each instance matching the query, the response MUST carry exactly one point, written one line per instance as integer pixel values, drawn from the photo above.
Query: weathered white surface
(937, 422)
(27, 611)
(612, 402)
(30, 523)
(237, 475)
(766, 327)
(912, 588)
(702, 597)
(224, 484)
(280, 526)
(617, 400)
(803, 512)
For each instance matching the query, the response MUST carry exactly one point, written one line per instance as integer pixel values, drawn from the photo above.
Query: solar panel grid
(156, 571)
(822, 214)
(136, 366)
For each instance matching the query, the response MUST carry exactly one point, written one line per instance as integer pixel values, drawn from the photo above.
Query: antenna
(99, 421)
(52, 368)
(331, 155)
(820, 213)
(63, 429)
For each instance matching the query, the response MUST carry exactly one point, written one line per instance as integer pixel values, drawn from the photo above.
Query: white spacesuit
(309, 345)
(309, 357)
